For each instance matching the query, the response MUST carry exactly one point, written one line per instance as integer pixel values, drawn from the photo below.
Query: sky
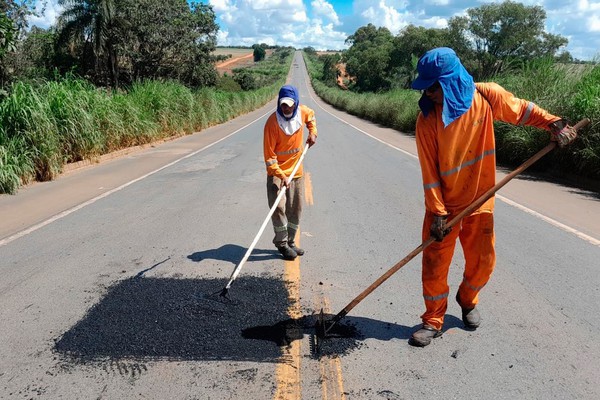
(325, 24)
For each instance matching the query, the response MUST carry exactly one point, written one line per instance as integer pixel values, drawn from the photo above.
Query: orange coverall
(282, 151)
(458, 164)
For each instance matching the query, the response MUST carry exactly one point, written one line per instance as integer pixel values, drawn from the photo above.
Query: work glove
(438, 227)
(562, 132)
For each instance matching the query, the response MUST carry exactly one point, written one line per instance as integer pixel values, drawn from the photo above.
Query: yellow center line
(308, 192)
(287, 373)
(331, 370)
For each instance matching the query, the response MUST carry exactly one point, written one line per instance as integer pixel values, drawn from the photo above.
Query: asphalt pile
(187, 319)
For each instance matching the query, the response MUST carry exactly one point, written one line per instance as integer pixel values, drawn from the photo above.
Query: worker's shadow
(341, 337)
(381, 330)
(233, 253)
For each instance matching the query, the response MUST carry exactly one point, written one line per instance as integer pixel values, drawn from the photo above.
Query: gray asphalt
(93, 276)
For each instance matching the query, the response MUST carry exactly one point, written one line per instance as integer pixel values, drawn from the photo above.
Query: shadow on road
(233, 253)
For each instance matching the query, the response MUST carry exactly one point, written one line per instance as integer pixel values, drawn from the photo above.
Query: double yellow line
(288, 372)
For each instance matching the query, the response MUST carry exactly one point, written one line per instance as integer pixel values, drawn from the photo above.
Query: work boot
(423, 336)
(298, 250)
(287, 252)
(470, 316)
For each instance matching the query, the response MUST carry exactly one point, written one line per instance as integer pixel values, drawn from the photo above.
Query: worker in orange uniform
(456, 148)
(283, 146)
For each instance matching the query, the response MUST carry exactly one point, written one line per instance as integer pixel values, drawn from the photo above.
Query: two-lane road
(90, 260)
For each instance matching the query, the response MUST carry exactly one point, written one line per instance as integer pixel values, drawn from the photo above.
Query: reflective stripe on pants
(286, 217)
(476, 235)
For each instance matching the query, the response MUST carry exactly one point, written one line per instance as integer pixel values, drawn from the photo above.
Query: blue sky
(325, 24)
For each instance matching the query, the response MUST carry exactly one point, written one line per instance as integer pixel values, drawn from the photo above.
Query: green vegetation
(113, 74)
(490, 39)
(259, 53)
(569, 90)
(45, 125)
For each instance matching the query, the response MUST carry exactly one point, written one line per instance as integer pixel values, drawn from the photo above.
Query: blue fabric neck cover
(443, 65)
(291, 92)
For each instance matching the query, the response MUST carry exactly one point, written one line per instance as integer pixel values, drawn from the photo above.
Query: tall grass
(572, 92)
(43, 126)
(28, 125)
(396, 109)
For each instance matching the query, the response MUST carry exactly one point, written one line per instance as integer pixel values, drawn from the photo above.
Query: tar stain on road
(186, 319)
(341, 339)
(179, 319)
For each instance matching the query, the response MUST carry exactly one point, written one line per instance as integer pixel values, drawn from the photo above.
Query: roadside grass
(396, 109)
(572, 92)
(45, 125)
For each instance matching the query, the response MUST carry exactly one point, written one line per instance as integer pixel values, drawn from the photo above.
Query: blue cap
(433, 65)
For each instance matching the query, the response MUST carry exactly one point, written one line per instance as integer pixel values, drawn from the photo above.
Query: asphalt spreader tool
(282, 190)
(323, 328)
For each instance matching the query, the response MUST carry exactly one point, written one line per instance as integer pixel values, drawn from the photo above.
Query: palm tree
(95, 23)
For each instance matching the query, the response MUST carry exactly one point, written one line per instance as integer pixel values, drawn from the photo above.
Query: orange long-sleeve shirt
(282, 151)
(458, 163)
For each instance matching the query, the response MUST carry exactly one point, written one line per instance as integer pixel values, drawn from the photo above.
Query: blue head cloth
(443, 65)
(291, 92)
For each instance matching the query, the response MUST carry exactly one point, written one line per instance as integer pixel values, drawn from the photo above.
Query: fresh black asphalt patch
(186, 319)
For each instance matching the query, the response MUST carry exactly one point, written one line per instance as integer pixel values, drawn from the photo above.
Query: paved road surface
(106, 274)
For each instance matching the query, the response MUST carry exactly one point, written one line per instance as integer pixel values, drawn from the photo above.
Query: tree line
(111, 43)
(490, 39)
(503, 42)
(112, 74)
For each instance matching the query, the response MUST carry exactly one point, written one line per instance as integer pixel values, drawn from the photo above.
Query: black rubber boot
(470, 316)
(287, 252)
(424, 336)
(298, 250)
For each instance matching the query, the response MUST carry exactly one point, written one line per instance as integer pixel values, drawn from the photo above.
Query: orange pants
(476, 234)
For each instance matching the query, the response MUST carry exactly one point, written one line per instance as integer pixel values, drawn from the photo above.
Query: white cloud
(322, 8)
(46, 15)
(292, 23)
(593, 23)
(321, 37)
(220, 5)
(385, 13)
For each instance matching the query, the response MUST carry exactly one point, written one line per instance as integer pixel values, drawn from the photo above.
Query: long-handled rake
(282, 191)
(321, 329)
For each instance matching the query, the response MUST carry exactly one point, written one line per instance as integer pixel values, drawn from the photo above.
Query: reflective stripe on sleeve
(527, 114)
(271, 162)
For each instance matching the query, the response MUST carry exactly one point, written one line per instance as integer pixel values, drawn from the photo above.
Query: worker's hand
(438, 227)
(279, 182)
(284, 183)
(562, 133)
(312, 139)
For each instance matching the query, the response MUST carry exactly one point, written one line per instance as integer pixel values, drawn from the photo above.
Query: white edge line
(551, 221)
(521, 207)
(360, 130)
(71, 210)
